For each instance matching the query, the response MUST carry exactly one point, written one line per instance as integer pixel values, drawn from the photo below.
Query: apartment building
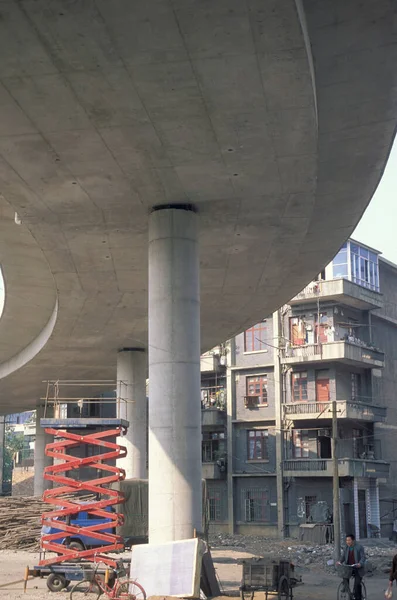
(335, 341)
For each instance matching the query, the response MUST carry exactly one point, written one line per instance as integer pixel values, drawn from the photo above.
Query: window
(340, 264)
(299, 386)
(301, 443)
(255, 505)
(213, 446)
(257, 386)
(257, 444)
(215, 504)
(355, 380)
(255, 337)
(364, 267)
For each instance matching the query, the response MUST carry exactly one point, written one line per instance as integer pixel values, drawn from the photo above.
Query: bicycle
(91, 588)
(346, 591)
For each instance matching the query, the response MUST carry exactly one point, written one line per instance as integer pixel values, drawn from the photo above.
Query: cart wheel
(283, 588)
(56, 582)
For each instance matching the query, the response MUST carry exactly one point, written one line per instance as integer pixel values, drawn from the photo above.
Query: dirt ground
(318, 585)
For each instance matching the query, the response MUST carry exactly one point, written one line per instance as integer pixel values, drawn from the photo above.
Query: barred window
(255, 505)
(215, 504)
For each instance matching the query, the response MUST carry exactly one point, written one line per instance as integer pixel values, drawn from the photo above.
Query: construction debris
(379, 552)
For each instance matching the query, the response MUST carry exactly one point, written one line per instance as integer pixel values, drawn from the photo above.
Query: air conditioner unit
(324, 433)
(251, 401)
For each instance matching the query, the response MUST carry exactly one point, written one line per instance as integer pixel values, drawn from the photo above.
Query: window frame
(299, 376)
(255, 505)
(255, 336)
(215, 505)
(255, 435)
(300, 443)
(263, 388)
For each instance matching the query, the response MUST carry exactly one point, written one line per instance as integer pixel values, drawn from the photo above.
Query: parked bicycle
(121, 588)
(346, 586)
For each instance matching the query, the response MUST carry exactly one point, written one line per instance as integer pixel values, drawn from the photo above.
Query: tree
(13, 443)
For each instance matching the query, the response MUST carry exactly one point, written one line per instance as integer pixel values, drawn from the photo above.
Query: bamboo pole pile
(20, 521)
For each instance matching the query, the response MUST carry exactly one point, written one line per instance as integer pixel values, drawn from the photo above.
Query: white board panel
(171, 569)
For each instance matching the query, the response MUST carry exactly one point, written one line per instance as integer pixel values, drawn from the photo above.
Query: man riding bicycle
(354, 555)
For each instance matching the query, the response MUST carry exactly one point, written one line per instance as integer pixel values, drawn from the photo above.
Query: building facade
(335, 341)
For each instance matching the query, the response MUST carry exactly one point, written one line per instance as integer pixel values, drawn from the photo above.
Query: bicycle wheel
(85, 590)
(343, 592)
(363, 591)
(130, 590)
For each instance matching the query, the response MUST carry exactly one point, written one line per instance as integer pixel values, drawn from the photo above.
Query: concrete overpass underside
(274, 118)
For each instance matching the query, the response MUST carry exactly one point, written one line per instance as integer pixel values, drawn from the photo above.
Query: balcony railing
(308, 465)
(348, 351)
(333, 289)
(213, 397)
(348, 467)
(346, 409)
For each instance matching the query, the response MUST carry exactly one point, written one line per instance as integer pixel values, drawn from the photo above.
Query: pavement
(317, 582)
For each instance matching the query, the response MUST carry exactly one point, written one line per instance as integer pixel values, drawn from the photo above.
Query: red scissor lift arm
(62, 496)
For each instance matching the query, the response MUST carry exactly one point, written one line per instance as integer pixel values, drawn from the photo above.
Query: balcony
(213, 360)
(339, 290)
(348, 467)
(346, 409)
(357, 458)
(213, 417)
(212, 470)
(340, 351)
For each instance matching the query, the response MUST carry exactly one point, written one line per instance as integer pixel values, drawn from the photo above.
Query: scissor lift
(99, 435)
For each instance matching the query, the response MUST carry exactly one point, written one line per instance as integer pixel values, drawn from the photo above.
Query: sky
(377, 227)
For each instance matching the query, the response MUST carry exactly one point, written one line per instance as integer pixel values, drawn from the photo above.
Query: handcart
(268, 576)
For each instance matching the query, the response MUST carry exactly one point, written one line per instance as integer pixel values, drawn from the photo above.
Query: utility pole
(279, 392)
(336, 504)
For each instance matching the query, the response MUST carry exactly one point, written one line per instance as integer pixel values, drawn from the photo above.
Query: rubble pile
(379, 552)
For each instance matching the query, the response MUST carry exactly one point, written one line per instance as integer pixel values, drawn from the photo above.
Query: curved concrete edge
(305, 32)
(30, 290)
(28, 353)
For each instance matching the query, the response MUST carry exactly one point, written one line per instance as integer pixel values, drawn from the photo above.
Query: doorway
(362, 513)
(324, 446)
(348, 517)
(322, 386)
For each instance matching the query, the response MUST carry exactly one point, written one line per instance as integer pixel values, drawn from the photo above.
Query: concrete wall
(306, 486)
(344, 386)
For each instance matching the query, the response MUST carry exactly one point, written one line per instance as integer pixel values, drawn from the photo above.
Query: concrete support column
(131, 394)
(40, 459)
(174, 375)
